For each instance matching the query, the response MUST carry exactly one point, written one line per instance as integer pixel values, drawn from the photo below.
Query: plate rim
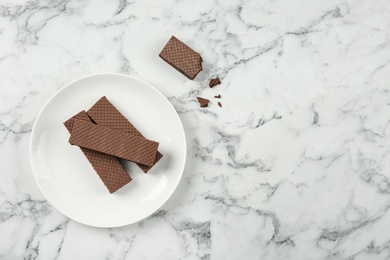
(58, 92)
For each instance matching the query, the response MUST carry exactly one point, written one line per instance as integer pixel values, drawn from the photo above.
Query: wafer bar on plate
(104, 113)
(113, 142)
(107, 167)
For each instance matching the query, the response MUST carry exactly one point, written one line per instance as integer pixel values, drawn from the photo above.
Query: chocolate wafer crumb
(218, 96)
(203, 102)
(219, 104)
(214, 82)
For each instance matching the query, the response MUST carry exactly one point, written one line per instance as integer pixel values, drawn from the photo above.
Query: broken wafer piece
(181, 57)
(113, 142)
(214, 82)
(203, 102)
(105, 114)
(218, 96)
(107, 167)
(219, 104)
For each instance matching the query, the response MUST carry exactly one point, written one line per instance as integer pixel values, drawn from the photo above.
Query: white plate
(67, 179)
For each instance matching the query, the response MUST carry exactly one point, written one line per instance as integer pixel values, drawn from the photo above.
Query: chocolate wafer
(113, 142)
(203, 101)
(107, 167)
(214, 82)
(104, 113)
(181, 57)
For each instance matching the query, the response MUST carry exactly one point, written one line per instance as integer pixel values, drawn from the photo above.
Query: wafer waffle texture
(181, 57)
(107, 167)
(104, 113)
(113, 142)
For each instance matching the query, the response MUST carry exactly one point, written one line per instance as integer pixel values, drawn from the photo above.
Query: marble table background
(295, 165)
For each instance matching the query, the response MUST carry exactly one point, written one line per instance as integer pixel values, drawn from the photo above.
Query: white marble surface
(295, 165)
